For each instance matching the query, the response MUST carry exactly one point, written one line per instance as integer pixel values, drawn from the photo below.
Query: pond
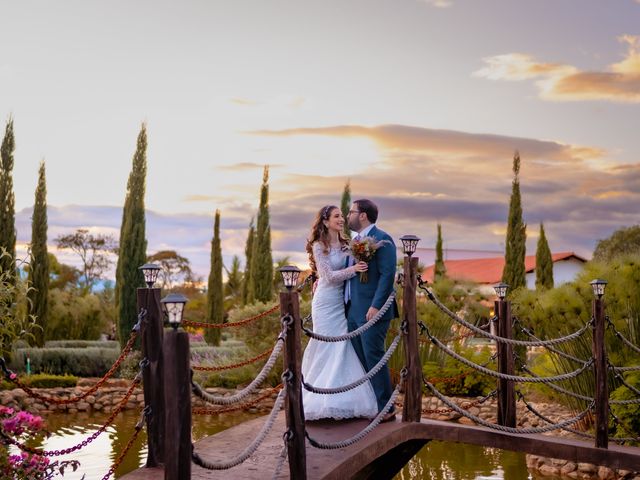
(436, 461)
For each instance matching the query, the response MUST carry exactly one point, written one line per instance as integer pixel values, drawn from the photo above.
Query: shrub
(628, 415)
(82, 344)
(42, 380)
(456, 379)
(130, 366)
(82, 362)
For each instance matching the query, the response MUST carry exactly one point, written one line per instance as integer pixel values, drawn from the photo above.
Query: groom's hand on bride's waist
(372, 312)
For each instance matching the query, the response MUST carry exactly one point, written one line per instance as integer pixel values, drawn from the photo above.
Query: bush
(628, 415)
(82, 362)
(130, 366)
(456, 379)
(82, 344)
(72, 316)
(42, 380)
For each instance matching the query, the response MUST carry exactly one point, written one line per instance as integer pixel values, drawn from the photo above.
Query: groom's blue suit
(370, 345)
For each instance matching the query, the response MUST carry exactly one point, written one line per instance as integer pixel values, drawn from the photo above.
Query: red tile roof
(489, 270)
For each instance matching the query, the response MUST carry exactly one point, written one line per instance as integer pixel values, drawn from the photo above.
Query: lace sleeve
(323, 265)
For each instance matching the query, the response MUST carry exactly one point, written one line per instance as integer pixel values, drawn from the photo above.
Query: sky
(420, 104)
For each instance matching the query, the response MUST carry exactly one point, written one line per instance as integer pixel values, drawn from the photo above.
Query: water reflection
(97, 456)
(458, 461)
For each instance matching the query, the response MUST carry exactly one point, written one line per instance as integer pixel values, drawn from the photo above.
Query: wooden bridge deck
(390, 443)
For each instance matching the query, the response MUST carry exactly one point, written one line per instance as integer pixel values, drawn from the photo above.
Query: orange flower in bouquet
(364, 250)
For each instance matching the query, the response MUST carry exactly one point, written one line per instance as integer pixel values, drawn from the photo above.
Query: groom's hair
(368, 207)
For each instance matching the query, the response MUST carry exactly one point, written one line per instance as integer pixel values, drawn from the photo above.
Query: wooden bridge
(379, 454)
(382, 453)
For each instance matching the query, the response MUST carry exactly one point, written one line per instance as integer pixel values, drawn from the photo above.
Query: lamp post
(412, 408)
(151, 334)
(177, 392)
(506, 391)
(294, 412)
(600, 364)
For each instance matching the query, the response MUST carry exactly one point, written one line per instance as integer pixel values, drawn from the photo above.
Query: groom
(364, 300)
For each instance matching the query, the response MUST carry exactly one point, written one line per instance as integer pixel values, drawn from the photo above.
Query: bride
(335, 364)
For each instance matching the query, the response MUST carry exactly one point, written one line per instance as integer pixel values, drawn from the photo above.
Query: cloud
(619, 83)
(441, 3)
(244, 101)
(244, 166)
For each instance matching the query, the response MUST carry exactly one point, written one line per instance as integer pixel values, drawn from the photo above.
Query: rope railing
(282, 457)
(558, 388)
(465, 404)
(189, 323)
(364, 432)
(541, 416)
(621, 336)
(365, 378)
(514, 378)
(244, 406)
(625, 383)
(359, 331)
(493, 426)
(85, 442)
(562, 354)
(250, 449)
(635, 438)
(470, 326)
(221, 368)
(198, 391)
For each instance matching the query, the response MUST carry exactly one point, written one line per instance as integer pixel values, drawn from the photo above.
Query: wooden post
(151, 334)
(506, 392)
(412, 409)
(600, 369)
(294, 413)
(177, 400)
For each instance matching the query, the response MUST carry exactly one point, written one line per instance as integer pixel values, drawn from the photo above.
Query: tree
(233, 286)
(515, 248)
(62, 276)
(439, 270)
(133, 243)
(38, 293)
(544, 262)
(93, 250)
(173, 268)
(248, 251)
(7, 204)
(345, 205)
(215, 298)
(261, 280)
(624, 241)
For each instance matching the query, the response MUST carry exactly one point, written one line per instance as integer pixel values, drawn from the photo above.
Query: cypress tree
(248, 252)
(133, 244)
(261, 280)
(544, 263)
(215, 295)
(7, 204)
(439, 270)
(38, 293)
(345, 205)
(514, 270)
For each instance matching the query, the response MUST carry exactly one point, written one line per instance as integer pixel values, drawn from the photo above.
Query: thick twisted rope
(533, 410)
(568, 356)
(470, 326)
(502, 428)
(249, 450)
(514, 378)
(626, 384)
(368, 376)
(626, 369)
(622, 337)
(221, 400)
(348, 336)
(559, 389)
(282, 457)
(364, 432)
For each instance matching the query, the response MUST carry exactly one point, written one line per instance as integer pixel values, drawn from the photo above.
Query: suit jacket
(381, 276)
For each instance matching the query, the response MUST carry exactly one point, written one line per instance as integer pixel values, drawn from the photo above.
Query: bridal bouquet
(364, 250)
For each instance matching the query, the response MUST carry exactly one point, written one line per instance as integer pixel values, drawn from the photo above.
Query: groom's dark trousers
(374, 293)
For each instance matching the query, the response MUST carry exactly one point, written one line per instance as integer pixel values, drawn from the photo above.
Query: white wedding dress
(335, 364)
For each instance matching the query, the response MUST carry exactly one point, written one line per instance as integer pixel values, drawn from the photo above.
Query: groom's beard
(354, 225)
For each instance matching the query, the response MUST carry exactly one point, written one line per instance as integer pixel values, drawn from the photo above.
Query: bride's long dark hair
(320, 233)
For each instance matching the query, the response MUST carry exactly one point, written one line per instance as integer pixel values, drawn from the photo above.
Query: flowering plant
(17, 427)
(363, 250)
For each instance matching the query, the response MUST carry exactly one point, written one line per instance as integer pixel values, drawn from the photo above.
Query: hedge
(81, 362)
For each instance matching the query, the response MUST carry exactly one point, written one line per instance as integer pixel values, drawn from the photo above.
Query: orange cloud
(620, 83)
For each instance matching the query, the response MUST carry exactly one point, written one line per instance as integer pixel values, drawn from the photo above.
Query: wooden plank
(353, 461)
(412, 409)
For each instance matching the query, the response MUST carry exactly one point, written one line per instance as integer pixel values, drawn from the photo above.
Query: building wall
(564, 271)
